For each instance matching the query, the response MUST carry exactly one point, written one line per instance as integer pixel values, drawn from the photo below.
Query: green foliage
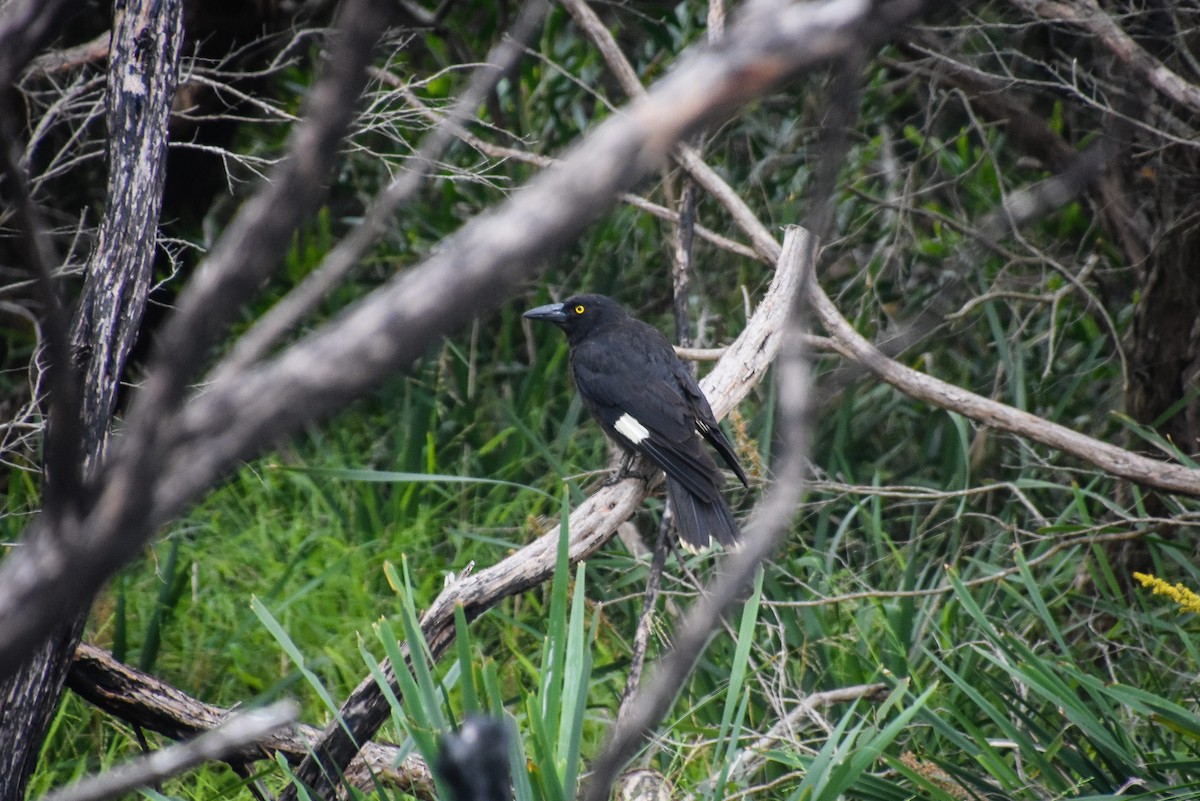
(976, 575)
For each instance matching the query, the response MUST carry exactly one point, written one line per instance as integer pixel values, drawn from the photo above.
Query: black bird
(634, 385)
(473, 761)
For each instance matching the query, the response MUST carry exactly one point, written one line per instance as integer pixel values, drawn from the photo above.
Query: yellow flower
(1188, 600)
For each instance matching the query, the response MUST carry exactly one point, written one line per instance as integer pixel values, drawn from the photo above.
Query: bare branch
(235, 733)
(767, 527)
(784, 730)
(341, 260)
(141, 86)
(147, 701)
(25, 25)
(1143, 470)
(1089, 17)
(72, 57)
(591, 525)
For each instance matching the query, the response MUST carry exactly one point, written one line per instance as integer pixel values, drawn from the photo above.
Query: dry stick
(87, 364)
(750, 758)
(495, 151)
(1154, 473)
(150, 702)
(1088, 16)
(338, 263)
(1118, 461)
(70, 58)
(25, 25)
(237, 732)
(768, 525)
(85, 552)
(813, 342)
(592, 524)
(681, 263)
(641, 636)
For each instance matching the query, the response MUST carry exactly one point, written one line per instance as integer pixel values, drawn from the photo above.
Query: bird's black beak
(551, 312)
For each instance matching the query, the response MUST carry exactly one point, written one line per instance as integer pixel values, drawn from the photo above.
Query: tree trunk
(144, 62)
(1164, 346)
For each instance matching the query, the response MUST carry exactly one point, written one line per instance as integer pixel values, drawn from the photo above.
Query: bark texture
(141, 81)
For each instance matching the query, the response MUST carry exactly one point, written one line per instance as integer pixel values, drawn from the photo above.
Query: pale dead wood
(1168, 476)
(1162, 475)
(147, 701)
(591, 524)
(783, 731)
(1086, 15)
(70, 58)
(239, 730)
(766, 529)
(87, 358)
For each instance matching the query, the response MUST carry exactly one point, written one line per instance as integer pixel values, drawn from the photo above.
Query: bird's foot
(629, 468)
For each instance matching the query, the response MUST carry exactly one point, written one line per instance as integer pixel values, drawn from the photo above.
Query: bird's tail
(699, 521)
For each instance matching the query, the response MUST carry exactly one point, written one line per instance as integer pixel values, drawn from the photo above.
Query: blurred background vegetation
(984, 579)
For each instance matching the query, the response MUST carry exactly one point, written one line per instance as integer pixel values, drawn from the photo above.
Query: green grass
(979, 577)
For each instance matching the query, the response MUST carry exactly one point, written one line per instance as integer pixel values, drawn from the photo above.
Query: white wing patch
(628, 426)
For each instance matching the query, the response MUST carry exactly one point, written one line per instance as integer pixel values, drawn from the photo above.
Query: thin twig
(752, 756)
(237, 732)
(768, 525)
(492, 150)
(1087, 16)
(338, 263)
(592, 524)
(641, 636)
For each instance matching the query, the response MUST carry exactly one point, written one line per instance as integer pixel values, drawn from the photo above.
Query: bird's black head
(580, 315)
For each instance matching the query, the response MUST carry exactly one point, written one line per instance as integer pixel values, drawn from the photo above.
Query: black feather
(633, 384)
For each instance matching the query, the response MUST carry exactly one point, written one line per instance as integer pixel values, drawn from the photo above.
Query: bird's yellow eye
(579, 309)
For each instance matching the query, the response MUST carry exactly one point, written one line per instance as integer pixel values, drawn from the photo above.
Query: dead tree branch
(166, 460)
(149, 702)
(1087, 16)
(591, 525)
(768, 525)
(86, 372)
(238, 731)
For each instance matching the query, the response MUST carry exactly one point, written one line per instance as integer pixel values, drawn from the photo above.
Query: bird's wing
(645, 412)
(706, 421)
